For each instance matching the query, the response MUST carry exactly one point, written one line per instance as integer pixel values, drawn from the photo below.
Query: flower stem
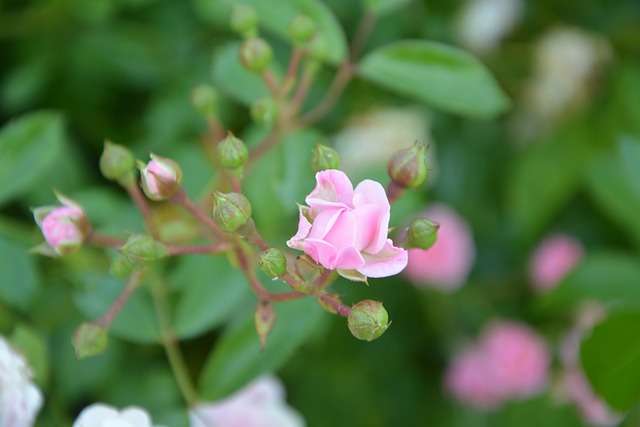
(197, 249)
(132, 284)
(143, 206)
(169, 342)
(102, 240)
(181, 198)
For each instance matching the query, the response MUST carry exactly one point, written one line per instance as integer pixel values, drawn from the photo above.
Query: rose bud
(231, 210)
(231, 152)
(324, 158)
(89, 339)
(302, 29)
(408, 168)
(160, 178)
(264, 111)
(204, 99)
(264, 318)
(255, 54)
(244, 20)
(273, 262)
(63, 227)
(368, 320)
(141, 248)
(117, 162)
(422, 234)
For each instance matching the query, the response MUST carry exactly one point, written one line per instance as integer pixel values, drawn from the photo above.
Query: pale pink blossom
(346, 229)
(63, 227)
(554, 258)
(482, 24)
(260, 404)
(101, 415)
(446, 265)
(20, 398)
(160, 178)
(509, 362)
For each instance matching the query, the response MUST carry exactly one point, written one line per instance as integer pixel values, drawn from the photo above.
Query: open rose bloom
(346, 229)
(20, 399)
(509, 362)
(100, 415)
(259, 404)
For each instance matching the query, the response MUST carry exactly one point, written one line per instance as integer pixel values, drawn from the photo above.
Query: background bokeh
(561, 160)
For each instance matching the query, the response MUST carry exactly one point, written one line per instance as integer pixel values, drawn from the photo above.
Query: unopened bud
(244, 20)
(264, 111)
(117, 162)
(204, 99)
(63, 227)
(368, 320)
(265, 318)
(231, 152)
(408, 168)
(324, 158)
(302, 29)
(160, 178)
(141, 248)
(422, 234)
(273, 262)
(231, 210)
(255, 54)
(121, 267)
(89, 340)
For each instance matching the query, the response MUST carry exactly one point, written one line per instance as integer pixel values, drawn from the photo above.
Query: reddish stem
(205, 249)
(132, 284)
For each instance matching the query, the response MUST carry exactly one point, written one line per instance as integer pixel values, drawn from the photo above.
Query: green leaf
(236, 358)
(329, 44)
(18, 275)
(210, 293)
(34, 349)
(136, 322)
(614, 193)
(629, 152)
(543, 180)
(233, 79)
(29, 146)
(605, 276)
(383, 7)
(437, 74)
(611, 359)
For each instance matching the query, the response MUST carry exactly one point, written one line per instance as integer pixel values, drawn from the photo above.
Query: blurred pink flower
(101, 415)
(346, 229)
(20, 399)
(160, 178)
(260, 404)
(510, 361)
(555, 257)
(63, 227)
(446, 265)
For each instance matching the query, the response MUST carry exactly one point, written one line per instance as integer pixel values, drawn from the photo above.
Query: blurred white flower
(20, 399)
(101, 415)
(370, 140)
(482, 24)
(260, 404)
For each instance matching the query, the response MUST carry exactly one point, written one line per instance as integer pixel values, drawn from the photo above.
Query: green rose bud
(89, 340)
(408, 168)
(231, 210)
(422, 234)
(302, 29)
(141, 248)
(255, 54)
(117, 163)
(264, 318)
(264, 111)
(324, 158)
(273, 262)
(231, 152)
(121, 267)
(204, 99)
(368, 320)
(244, 20)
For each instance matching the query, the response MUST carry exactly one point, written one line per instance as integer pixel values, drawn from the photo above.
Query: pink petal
(389, 261)
(370, 192)
(333, 189)
(342, 233)
(349, 259)
(373, 224)
(304, 226)
(321, 252)
(324, 222)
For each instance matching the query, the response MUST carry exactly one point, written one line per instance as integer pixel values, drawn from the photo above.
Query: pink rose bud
(63, 227)
(20, 399)
(101, 415)
(345, 229)
(160, 178)
(260, 404)
(554, 258)
(446, 265)
(509, 362)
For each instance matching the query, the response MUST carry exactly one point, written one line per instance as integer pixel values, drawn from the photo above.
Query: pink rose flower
(100, 415)
(63, 227)
(446, 265)
(509, 362)
(260, 404)
(160, 178)
(20, 399)
(555, 257)
(346, 229)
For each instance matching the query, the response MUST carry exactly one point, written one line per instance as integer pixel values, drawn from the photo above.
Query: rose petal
(371, 232)
(321, 252)
(370, 192)
(304, 226)
(389, 261)
(324, 222)
(342, 233)
(333, 189)
(349, 259)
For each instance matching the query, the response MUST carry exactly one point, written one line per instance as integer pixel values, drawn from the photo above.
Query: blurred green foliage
(74, 72)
